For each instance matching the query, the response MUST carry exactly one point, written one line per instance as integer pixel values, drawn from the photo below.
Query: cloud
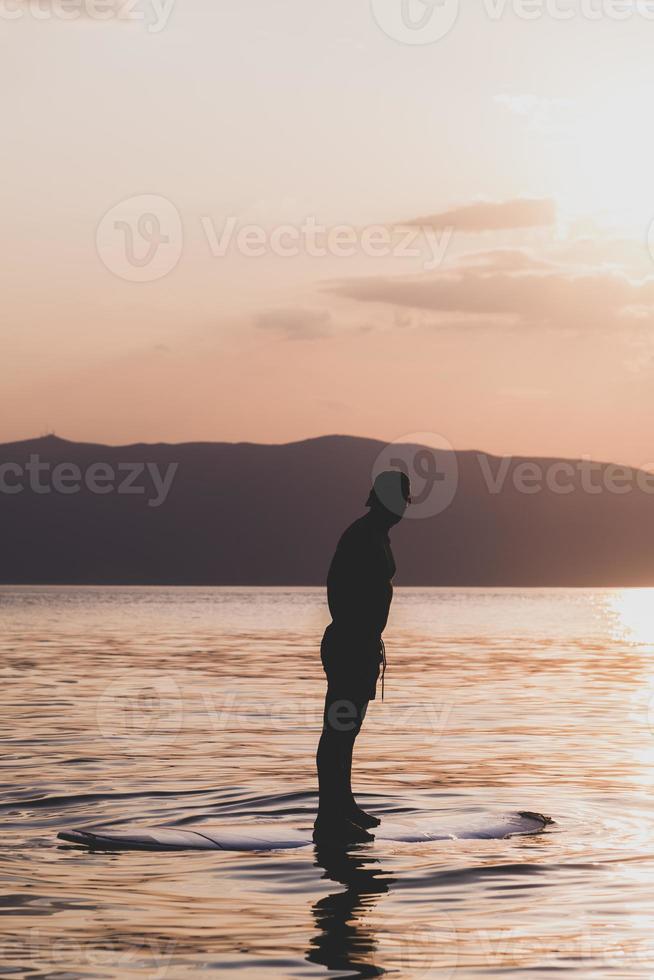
(521, 212)
(511, 286)
(296, 324)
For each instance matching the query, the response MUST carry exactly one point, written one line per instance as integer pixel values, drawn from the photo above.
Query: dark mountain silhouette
(247, 514)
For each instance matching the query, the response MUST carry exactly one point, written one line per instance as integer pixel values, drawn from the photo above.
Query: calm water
(193, 706)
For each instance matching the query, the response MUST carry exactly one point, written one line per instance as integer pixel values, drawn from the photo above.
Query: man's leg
(329, 764)
(342, 720)
(360, 708)
(356, 814)
(341, 724)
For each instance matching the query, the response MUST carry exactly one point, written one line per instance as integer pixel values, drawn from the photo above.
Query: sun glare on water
(632, 612)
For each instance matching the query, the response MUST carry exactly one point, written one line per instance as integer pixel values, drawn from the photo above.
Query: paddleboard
(261, 837)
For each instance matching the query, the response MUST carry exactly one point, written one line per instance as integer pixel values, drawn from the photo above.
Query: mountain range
(249, 514)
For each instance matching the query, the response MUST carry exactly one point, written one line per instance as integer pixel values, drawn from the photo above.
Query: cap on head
(392, 490)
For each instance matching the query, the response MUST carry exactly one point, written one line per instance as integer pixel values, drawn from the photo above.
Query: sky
(271, 221)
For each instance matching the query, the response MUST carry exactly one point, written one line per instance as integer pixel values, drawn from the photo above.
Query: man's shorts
(352, 666)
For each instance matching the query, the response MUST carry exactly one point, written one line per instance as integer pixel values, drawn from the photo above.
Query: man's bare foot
(361, 818)
(339, 830)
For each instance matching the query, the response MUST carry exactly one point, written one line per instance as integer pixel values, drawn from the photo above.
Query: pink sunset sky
(270, 221)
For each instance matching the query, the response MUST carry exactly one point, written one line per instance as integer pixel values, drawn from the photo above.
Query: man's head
(390, 496)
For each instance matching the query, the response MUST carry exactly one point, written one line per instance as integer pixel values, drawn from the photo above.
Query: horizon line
(53, 437)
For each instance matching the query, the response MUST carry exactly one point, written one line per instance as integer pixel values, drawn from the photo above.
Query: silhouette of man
(359, 593)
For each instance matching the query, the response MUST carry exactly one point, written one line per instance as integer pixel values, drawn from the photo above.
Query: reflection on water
(188, 707)
(344, 937)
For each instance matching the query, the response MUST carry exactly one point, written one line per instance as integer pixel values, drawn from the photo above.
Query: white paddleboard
(270, 838)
